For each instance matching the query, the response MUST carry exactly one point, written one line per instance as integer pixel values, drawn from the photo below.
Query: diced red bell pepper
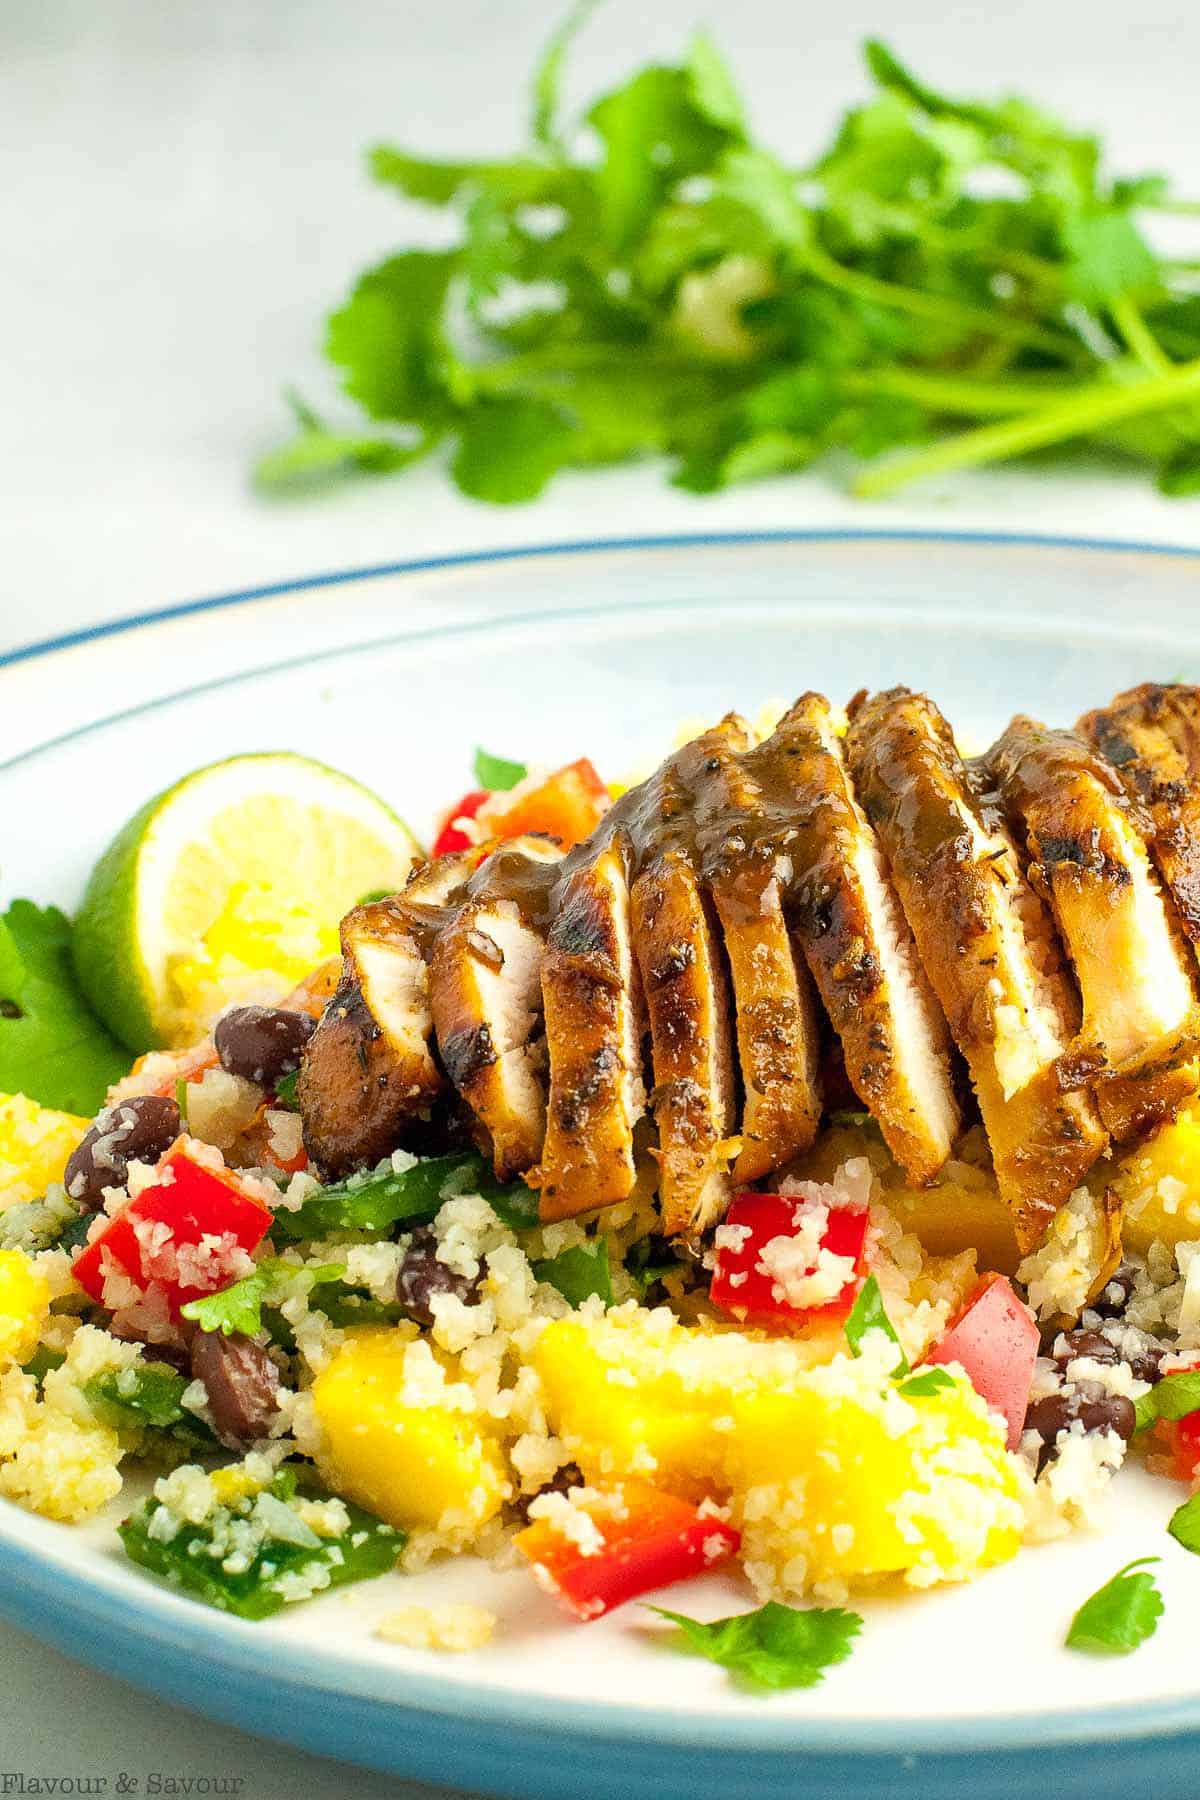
(751, 1292)
(995, 1340)
(189, 1203)
(619, 1542)
(567, 806)
(450, 837)
(1182, 1439)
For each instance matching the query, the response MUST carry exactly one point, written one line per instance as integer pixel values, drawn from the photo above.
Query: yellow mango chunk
(1159, 1183)
(403, 1441)
(960, 1210)
(35, 1142)
(24, 1306)
(830, 1472)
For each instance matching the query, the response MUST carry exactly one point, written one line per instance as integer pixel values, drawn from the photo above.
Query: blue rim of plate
(181, 1626)
(688, 540)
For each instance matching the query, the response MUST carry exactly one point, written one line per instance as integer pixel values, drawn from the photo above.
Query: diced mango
(406, 1456)
(1159, 1182)
(960, 1210)
(24, 1306)
(35, 1142)
(830, 1472)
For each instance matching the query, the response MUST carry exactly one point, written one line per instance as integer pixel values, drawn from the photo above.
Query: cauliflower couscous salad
(786, 1163)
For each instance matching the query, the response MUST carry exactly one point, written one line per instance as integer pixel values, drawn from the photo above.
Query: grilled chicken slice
(688, 1008)
(1089, 860)
(988, 947)
(593, 1035)
(859, 947)
(777, 1023)
(367, 1070)
(485, 989)
(1151, 736)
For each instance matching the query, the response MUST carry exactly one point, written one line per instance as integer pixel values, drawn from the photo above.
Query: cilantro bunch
(951, 283)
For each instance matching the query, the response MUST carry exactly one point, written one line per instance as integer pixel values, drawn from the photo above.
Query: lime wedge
(229, 888)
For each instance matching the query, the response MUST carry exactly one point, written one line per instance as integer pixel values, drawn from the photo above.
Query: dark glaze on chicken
(668, 986)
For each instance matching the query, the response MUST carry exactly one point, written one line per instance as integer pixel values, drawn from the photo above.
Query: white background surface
(181, 199)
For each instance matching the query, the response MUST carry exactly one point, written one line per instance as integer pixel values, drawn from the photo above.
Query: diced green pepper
(149, 1393)
(377, 1202)
(258, 1555)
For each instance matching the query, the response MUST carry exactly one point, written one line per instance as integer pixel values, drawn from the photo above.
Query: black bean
(1089, 1404)
(561, 1482)
(262, 1043)
(1113, 1297)
(241, 1382)
(136, 1130)
(422, 1274)
(1071, 1344)
(1146, 1363)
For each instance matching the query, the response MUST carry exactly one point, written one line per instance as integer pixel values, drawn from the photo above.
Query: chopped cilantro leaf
(52, 1046)
(926, 1382)
(869, 1314)
(285, 1087)
(497, 775)
(1171, 1398)
(777, 1646)
(1184, 1524)
(1120, 1615)
(238, 1308)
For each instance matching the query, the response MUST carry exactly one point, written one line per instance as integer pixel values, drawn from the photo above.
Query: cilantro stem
(1092, 407)
(934, 306)
(1138, 336)
(950, 394)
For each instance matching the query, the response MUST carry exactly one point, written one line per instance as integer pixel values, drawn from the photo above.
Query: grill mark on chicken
(485, 976)
(592, 1012)
(859, 947)
(742, 866)
(988, 948)
(1088, 858)
(1151, 736)
(367, 1071)
(688, 1009)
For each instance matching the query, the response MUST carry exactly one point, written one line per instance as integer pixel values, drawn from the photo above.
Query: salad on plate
(786, 1162)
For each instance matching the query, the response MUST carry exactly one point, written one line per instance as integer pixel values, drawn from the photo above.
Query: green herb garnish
(579, 1273)
(285, 1092)
(1120, 1615)
(52, 1046)
(288, 1560)
(954, 280)
(926, 1382)
(777, 1646)
(1171, 1398)
(1184, 1524)
(869, 1314)
(238, 1308)
(498, 776)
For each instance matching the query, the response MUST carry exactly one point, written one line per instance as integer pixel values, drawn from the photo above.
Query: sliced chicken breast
(1088, 858)
(367, 1070)
(688, 1008)
(485, 986)
(859, 947)
(777, 1022)
(592, 1014)
(1151, 737)
(988, 947)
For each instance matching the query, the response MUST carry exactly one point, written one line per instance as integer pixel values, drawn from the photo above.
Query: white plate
(395, 676)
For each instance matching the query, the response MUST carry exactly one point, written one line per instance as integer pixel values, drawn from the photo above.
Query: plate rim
(43, 1586)
(568, 547)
